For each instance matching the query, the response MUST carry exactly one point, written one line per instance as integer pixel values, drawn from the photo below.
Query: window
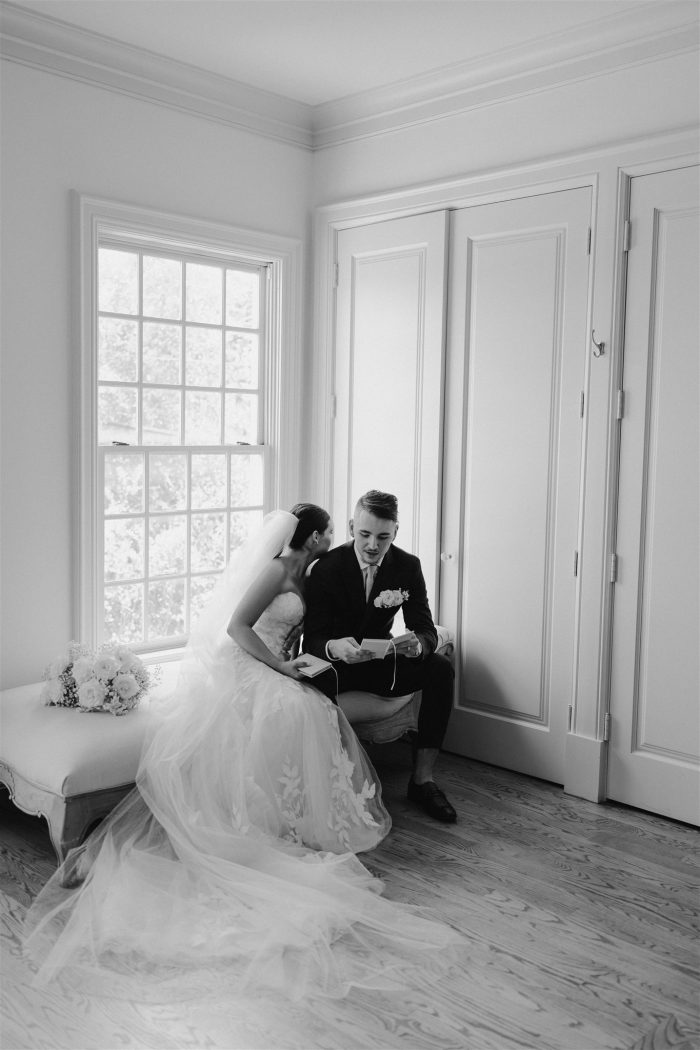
(183, 413)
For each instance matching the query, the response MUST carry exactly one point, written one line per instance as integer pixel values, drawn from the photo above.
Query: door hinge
(571, 716)
(336, 275)
(334, 406)
(582, 404)
(606, 728)
(588, 245)
(627, 236)
(620, 409)
(613, 568)
(575, 563)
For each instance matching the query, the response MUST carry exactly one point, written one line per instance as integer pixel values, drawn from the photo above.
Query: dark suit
(336, 607)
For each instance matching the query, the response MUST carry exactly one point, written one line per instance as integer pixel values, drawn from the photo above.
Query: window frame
(98, 221)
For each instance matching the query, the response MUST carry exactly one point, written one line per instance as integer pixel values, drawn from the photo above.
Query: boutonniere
(390, 599)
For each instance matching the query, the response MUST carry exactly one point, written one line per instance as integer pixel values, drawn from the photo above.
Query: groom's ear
(351, 526)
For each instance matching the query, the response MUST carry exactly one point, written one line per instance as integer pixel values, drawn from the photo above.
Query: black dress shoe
(430, 798)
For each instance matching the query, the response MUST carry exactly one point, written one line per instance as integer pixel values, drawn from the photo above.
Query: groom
(354, 592)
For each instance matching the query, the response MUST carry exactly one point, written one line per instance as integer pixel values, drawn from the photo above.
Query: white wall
(60, 135)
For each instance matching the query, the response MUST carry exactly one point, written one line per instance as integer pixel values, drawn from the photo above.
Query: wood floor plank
(581, 923)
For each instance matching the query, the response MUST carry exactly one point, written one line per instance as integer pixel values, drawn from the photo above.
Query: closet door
(390, 324)
(516, 353)
(654, 751)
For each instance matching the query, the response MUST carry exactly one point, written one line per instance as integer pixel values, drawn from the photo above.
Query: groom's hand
(347, 650)
(409, 645)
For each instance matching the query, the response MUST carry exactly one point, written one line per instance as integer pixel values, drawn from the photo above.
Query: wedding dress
(232, 866)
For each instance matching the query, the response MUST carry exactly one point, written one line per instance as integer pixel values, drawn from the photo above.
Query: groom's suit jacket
(336, 606)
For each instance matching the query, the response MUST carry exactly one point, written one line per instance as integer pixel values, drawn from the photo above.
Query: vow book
(382, 647)
(314, 665)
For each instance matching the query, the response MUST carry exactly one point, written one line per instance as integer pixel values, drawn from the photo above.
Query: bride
(232, 865)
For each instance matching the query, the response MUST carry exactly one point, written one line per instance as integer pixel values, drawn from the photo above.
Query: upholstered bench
(73, 767)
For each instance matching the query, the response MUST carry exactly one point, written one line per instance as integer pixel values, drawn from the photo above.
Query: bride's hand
(292, 667)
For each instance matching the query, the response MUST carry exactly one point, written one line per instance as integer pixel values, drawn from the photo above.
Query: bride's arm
(250, 609)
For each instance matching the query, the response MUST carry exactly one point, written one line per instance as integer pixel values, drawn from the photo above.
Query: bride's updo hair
(311, 519)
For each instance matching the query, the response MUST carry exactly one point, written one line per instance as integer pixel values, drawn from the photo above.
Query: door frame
(604, 170)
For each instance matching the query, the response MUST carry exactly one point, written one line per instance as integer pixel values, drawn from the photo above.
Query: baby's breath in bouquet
(113, 679)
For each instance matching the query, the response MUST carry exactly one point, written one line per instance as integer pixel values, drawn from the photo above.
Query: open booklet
(314, 665)
(382, 647)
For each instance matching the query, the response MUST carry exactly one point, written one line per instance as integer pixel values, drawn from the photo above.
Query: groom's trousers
(434, 675)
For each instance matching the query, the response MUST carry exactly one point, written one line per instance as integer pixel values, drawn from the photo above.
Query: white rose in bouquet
(82, 669)
(52, 692)
(125, 658)
(91, 694)
(57, 667)
(105, 667)
(125, 686)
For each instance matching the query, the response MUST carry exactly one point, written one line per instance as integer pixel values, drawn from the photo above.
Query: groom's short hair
(382, 504)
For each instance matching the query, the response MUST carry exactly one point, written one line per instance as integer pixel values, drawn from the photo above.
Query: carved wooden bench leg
(83, 812)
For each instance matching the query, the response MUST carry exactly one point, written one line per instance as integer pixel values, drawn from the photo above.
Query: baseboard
(585, 767)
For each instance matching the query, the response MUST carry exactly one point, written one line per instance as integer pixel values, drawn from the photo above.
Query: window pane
(204, 293)
(161, 417)
(202, 418)
(243, 524)
(208, 481)
(241, 359)
(242, 299)
(166, 609)
(241, 419)
(117, 415)
(167, 551)
(200, 590)
(179, 371)
(123, 492)
(118, 353)
(124, 613)
(162, 353)
(203, 357)
(208, 542)
(162, 287)
(118, 281)
(123, 548)
(167, 482)
(246, 481)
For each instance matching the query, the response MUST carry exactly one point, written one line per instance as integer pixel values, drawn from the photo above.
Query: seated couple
(253, 795)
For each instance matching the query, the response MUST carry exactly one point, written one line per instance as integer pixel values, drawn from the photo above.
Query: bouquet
(112, 679)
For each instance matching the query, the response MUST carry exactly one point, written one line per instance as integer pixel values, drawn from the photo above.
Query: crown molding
(598, 48)
(43, 42)
(595, 49)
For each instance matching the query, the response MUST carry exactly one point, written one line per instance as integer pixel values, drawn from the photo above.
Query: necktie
(370, 570)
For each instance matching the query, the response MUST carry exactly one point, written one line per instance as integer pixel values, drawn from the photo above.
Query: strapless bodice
(280, 625)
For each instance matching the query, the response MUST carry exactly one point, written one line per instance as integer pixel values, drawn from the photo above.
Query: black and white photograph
(349, 524)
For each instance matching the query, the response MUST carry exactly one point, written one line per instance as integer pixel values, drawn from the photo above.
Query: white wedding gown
(231, 868)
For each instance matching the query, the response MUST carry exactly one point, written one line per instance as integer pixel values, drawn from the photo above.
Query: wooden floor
(582, 921)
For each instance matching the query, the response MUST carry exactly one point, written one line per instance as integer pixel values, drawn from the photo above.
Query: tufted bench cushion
(68, 752)
(68, 766)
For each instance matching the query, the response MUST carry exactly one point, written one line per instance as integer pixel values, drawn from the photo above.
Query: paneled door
(654, 750)
(390, 342)
(516, 354)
